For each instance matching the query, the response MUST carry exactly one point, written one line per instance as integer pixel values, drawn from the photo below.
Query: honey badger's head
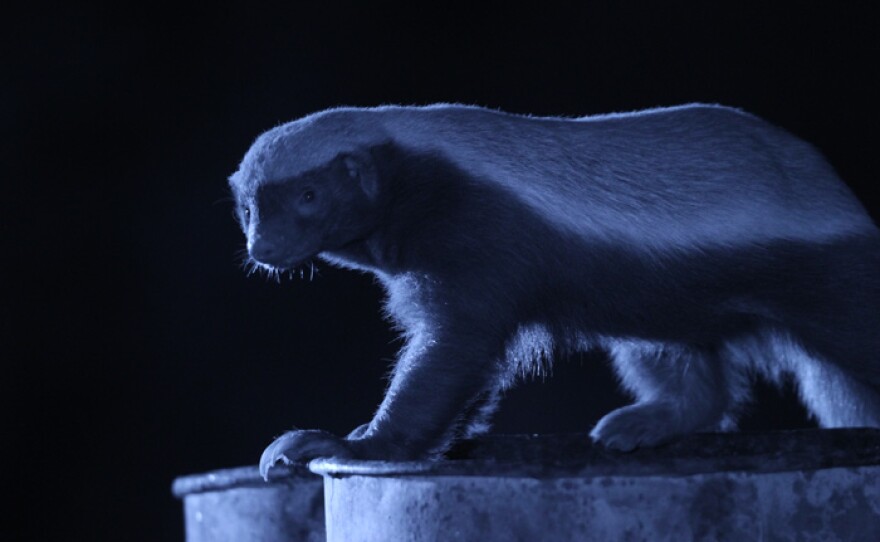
(307, 187)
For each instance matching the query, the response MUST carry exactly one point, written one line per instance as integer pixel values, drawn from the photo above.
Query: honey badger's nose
(262, 249)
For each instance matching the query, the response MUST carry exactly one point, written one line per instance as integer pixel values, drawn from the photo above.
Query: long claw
(300, 447)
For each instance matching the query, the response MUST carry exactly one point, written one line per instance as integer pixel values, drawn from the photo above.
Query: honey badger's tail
(836, 398)
(838, 373)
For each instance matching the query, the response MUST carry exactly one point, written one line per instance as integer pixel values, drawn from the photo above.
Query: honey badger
(698, 245)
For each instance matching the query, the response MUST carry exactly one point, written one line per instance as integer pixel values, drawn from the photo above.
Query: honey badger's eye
(308, 196)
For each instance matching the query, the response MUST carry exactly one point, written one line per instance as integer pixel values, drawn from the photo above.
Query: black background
(136, 349)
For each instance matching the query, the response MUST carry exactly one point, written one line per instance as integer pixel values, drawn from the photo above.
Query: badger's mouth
(300, 265)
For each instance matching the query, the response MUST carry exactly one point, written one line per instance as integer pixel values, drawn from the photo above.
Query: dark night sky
(135, 347)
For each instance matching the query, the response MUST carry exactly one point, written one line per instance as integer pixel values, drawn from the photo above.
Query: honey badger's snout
(268, 250)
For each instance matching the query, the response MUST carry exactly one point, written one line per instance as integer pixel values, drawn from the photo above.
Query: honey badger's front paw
(642, 424)
(300, 447)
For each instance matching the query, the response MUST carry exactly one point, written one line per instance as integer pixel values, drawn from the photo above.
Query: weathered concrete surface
(803, 485)
(237, 505)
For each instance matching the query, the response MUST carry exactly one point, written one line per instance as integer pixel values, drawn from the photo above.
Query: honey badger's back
(683, 176)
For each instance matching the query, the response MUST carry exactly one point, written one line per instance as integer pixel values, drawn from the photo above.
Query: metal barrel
(237, 505)
(796, 485)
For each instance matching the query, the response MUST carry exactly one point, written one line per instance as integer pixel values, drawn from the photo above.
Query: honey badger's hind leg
(679, 389)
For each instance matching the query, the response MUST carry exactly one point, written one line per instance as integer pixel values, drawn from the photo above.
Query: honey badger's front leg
(441, 374)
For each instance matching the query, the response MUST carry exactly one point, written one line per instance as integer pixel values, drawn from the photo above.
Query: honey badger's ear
(360, 168)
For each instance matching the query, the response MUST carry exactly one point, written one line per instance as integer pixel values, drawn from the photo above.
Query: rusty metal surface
(821, 485)
(574, 454)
